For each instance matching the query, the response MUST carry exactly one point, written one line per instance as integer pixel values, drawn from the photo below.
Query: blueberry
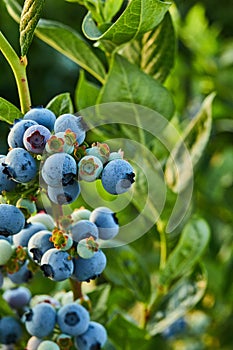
(42, 116)
(7, 225)
(20, 165)
(35, 138)
(99, 150)
(44, 219)
(6, 184)
(22, 238)
(15, 136)
(94, 338)
(10, 330)
(1, 279)
(18, 297)
(83, 229)
(63, 141)
(72, 122)
(89, 168)
(33, 343)
(64, 194)
(40, 320)
(88, 269)
(48, 345)
(23, 275)
(59, 169)
(73, 319)
(106, 221)
(117, 176)
(80, 214)
(6, 251)
(57, 264)
(39, 243)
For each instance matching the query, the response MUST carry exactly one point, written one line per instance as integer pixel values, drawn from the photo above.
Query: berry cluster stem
(18, 66)
(76, 288)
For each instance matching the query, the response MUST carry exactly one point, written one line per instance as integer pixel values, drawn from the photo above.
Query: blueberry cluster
(53, 149)
(49, 155)
(50, 322)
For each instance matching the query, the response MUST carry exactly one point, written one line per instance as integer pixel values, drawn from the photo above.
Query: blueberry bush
(115, 176)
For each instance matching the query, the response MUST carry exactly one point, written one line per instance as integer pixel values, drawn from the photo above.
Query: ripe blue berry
(18, 297)
(83, 229)
(40, 320)
(65, 194)
(7, 225)
(35, 138)
(117, 176)
(42, 116)
(94, 338)
(6, 184)
(22, 238)
(20, 165)
(15, 136)
(57, 264)
(10, 330)
(59, 169)
(38, 244)
(73, 319)
(72, 122)
(88, 269)
(106, 221)
(89, 168)
(23, 275)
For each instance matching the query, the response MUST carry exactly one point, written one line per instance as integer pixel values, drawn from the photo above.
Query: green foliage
(30, 16)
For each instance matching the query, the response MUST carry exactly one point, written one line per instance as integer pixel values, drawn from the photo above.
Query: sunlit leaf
(127, 83)
(8, 112)
(140, 16)
(154, 52)
(86, 92)
(195, 138)
(61, 104)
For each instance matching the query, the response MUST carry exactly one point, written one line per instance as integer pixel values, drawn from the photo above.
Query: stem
(18, 66)
(163, 244)
(76, 287)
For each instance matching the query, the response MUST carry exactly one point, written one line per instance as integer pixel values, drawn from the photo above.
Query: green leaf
(125, 333)
(5, 309)
(127, 83)
(65, 40)
(70, 43)
(8, 112)
(127, 270)
(111, 7)
(192, 244)
(86, 92)
(154, 52)
(139, 17)
(61, 104)
(195, 138)
(99, 298)
(29, 18)
(181, 299)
